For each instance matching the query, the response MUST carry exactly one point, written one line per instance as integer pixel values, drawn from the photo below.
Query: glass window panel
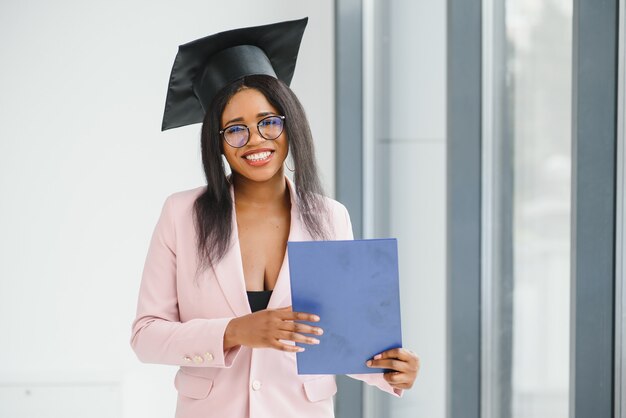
(531, 273)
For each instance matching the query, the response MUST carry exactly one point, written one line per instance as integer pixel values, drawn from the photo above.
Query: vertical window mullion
(620, 244)
(348, 169)
(463, 207)
(593, 208)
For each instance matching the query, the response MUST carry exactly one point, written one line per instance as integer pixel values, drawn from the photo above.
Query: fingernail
(377, 356)
(314, 341)
(300, 349)
(319, 331)
(369, 362)
(316, 318)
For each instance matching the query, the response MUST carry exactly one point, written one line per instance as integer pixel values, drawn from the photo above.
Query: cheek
(284, 146)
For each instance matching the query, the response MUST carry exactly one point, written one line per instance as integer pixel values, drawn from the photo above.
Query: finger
(401, 385)
(298, 316)
(288, 347)
(399, 353)
(284, 308)
(395, 378)
(301, 328)
(299, 338)
(398, 380)
(391, 364)
(402, 354)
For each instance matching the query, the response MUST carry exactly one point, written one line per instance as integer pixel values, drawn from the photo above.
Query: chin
(260, 175)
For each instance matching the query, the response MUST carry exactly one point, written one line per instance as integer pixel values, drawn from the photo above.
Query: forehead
(246, 104)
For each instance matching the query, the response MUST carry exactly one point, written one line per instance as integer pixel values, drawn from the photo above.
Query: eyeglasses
(269, 128)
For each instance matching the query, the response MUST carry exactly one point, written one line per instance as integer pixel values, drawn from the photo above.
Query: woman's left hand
(405, 366)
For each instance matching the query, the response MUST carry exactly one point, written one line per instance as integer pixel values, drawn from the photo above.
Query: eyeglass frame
(282, 117)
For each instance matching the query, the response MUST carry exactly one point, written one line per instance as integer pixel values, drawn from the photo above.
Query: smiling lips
(259, 157)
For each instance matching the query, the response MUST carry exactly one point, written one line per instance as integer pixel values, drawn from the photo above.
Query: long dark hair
(213, 208)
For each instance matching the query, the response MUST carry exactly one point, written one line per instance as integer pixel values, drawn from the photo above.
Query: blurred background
(84, 170)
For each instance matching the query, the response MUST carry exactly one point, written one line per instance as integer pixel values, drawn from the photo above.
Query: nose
(255, 137)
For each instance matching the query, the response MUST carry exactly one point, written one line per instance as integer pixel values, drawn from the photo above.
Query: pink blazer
(182, 322)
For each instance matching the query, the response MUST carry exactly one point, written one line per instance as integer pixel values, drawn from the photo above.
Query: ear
(226, 168)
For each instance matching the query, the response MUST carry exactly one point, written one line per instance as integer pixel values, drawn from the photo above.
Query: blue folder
(353, 287)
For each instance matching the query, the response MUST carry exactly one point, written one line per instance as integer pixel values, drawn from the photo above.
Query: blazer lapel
(229, 271)
(281, 296)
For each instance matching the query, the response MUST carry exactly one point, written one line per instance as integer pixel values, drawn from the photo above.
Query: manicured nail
(319, 331)
(378, 356)
(316, 318)
(369, 362)
(314, 340)
(300, 349)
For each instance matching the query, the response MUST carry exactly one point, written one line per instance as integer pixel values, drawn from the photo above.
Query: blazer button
(187, 359)
(256, 385)
(209, 356)
(198, 359)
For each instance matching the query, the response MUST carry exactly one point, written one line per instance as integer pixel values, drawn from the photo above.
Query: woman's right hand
(265, 329)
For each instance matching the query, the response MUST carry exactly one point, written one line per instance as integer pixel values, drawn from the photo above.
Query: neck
(267, 193)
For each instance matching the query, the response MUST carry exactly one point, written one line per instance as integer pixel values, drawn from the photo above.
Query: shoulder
(335, 208)
(335, 212)
(339, 218)
(187, 195)
(182, 201)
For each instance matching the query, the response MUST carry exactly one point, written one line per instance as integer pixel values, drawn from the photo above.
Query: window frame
(596, 355)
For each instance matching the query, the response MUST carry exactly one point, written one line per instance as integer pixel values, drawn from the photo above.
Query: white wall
(84, 170)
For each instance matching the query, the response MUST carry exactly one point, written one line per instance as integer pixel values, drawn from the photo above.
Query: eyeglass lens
(269, 128)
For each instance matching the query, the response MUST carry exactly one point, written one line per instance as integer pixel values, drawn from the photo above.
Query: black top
(258, 300)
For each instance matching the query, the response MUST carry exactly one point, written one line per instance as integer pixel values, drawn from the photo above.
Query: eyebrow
(240, 119)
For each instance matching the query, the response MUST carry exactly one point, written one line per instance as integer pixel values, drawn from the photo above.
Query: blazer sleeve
(158, 335)
(373, 379)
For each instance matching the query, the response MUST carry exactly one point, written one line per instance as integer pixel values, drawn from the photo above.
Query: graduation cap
(204, 66)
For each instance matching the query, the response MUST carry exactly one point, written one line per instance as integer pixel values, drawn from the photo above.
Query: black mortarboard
(204, 66)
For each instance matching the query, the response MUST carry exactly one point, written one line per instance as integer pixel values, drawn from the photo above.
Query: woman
(215, 295)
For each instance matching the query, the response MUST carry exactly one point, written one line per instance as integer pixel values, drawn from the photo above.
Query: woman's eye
(269, 122)
(234, 129)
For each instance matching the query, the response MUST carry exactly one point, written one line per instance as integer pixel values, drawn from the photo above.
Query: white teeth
(258, 156)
